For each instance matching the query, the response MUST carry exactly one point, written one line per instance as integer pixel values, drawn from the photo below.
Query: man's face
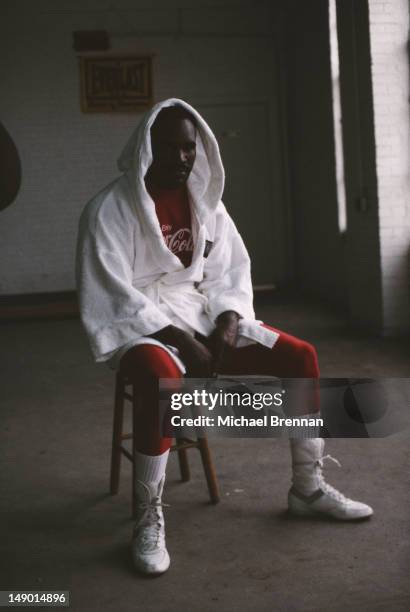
(173, 151)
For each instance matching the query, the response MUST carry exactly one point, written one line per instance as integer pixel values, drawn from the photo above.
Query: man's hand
(196, 357)
(223, 338)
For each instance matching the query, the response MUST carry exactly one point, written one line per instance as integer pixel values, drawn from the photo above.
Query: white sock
(306, 431)
(305, 455)
(150, 468)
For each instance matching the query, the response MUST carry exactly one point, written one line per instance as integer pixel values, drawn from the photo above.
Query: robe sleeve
(113, 311)
(227, 271)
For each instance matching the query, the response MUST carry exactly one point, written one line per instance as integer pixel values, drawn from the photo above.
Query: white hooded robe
(130, 285)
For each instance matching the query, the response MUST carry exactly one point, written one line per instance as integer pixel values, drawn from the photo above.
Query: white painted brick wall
(68, 156)
(389, 30)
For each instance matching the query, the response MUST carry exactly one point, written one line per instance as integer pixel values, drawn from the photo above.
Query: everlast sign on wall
(115, 84)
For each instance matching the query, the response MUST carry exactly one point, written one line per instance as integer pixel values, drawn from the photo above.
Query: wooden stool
(181, 445)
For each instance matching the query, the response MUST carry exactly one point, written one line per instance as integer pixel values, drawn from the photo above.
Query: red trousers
(145, 364)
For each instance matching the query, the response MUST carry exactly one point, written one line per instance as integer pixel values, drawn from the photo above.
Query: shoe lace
(149, 528)
(327, 488)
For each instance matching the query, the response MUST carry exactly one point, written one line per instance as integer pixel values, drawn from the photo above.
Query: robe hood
(206, 180)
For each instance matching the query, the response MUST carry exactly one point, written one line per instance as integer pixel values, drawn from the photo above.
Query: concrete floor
(61, 530)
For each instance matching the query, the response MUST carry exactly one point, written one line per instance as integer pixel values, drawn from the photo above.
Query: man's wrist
(227, 316)
(171, 334)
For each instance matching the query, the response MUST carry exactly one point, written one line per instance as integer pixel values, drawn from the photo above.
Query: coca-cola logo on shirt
(180, 241)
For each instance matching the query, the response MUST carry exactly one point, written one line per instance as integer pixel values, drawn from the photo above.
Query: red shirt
(174, 216)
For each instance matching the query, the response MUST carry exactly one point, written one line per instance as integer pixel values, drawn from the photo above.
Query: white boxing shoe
(310, 495)
(149, 552)
(327, 501)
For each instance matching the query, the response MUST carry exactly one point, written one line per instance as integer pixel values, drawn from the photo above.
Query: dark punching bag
(10, 169)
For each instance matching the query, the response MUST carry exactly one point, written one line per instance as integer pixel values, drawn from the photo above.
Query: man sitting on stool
(165, 289)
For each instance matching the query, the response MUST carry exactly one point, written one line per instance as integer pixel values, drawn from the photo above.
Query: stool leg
(209, 470)
(183, 461)
(134, 449)
(117, 436)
